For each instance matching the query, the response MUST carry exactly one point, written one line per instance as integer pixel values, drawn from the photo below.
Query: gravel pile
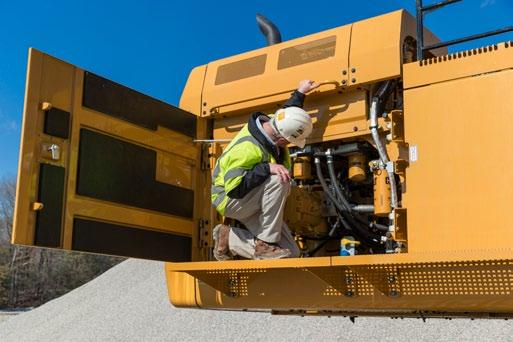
(130, 303)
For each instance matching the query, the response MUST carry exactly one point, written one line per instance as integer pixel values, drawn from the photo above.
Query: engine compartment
(346, 194)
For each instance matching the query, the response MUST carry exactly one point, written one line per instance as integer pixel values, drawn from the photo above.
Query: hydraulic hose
(327, 191)
(325, 187)
(334, 183)
(383, 156)
(371, 238)
(362, 208)
(378, 226)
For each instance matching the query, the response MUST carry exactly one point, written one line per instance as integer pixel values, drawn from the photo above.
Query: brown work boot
(221, 249)
(264, 250)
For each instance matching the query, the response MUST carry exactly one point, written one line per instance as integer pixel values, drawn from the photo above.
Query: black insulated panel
(107, 238)
(51, 193)
(118, 171)
(121, 102)
(57, 123)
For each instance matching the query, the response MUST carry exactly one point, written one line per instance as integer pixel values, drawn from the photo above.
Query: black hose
(327, 191)
(378, 226)
(324, 186)
(341, 196)
(334, 183)
(366, 235)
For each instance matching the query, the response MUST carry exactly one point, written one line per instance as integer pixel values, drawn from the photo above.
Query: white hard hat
(294, 124)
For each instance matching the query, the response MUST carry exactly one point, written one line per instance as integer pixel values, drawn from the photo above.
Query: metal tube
(270, 31)
(363, 208)
(420, 31)
(208, 141)
(383, 156)
(429, 8)
(468, 38)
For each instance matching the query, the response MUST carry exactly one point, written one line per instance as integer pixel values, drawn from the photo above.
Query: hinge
(205, 157)
(204, 233)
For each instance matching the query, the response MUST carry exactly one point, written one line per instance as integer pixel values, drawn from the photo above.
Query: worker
(251, 182)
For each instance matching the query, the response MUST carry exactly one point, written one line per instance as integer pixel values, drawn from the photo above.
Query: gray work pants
(261, 211)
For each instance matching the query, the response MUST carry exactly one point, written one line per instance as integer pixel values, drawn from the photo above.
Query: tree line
(31, 276)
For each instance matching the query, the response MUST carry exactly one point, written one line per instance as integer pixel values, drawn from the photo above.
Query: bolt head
(353, 80)
(394, 293)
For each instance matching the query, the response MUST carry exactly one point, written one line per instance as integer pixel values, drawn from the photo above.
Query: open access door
(105, 169)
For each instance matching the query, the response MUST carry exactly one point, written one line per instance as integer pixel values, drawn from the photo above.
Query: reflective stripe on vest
(218, 192)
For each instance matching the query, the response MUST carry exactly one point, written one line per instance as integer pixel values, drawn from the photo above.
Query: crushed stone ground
(130, 303)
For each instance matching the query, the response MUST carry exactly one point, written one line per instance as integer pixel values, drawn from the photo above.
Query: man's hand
(306, 86)
(281, 171)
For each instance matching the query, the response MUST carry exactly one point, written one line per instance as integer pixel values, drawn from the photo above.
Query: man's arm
(298, 96)
(251, 180)
(262, 171)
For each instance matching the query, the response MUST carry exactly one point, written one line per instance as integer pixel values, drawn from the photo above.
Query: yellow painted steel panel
(459, 195)
(376, 51)
(48, 80)
(458, 65)
(177, 162)
(376, 48)
(334, 115)
(192, 92)
(450, 284)
(275, 85)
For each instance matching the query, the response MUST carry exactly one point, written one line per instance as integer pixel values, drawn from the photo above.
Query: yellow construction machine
(400, 196)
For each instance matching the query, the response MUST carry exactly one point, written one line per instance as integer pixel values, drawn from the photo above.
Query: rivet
(353, 80)
(204, 103)
(204, 112)
(344, 81)
(353, 70)
(355, 129)
(349, 280)
(394, 293)
(349, 293)
(344, 72)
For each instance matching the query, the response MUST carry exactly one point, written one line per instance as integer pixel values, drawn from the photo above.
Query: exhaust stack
(270, 31)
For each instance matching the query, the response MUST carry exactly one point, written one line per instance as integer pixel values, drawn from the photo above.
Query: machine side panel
(459, 195)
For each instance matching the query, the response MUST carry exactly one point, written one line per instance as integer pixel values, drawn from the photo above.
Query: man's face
(282, 142)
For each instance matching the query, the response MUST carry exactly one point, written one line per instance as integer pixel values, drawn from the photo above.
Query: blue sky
(152, 45)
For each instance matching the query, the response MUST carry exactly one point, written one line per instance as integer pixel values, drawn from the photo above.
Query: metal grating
(231, 282)
(476, 278)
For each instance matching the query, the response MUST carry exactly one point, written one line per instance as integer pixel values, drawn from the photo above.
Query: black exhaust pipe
(270, 31)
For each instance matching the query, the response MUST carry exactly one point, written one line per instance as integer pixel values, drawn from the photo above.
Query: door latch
(51, 151)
